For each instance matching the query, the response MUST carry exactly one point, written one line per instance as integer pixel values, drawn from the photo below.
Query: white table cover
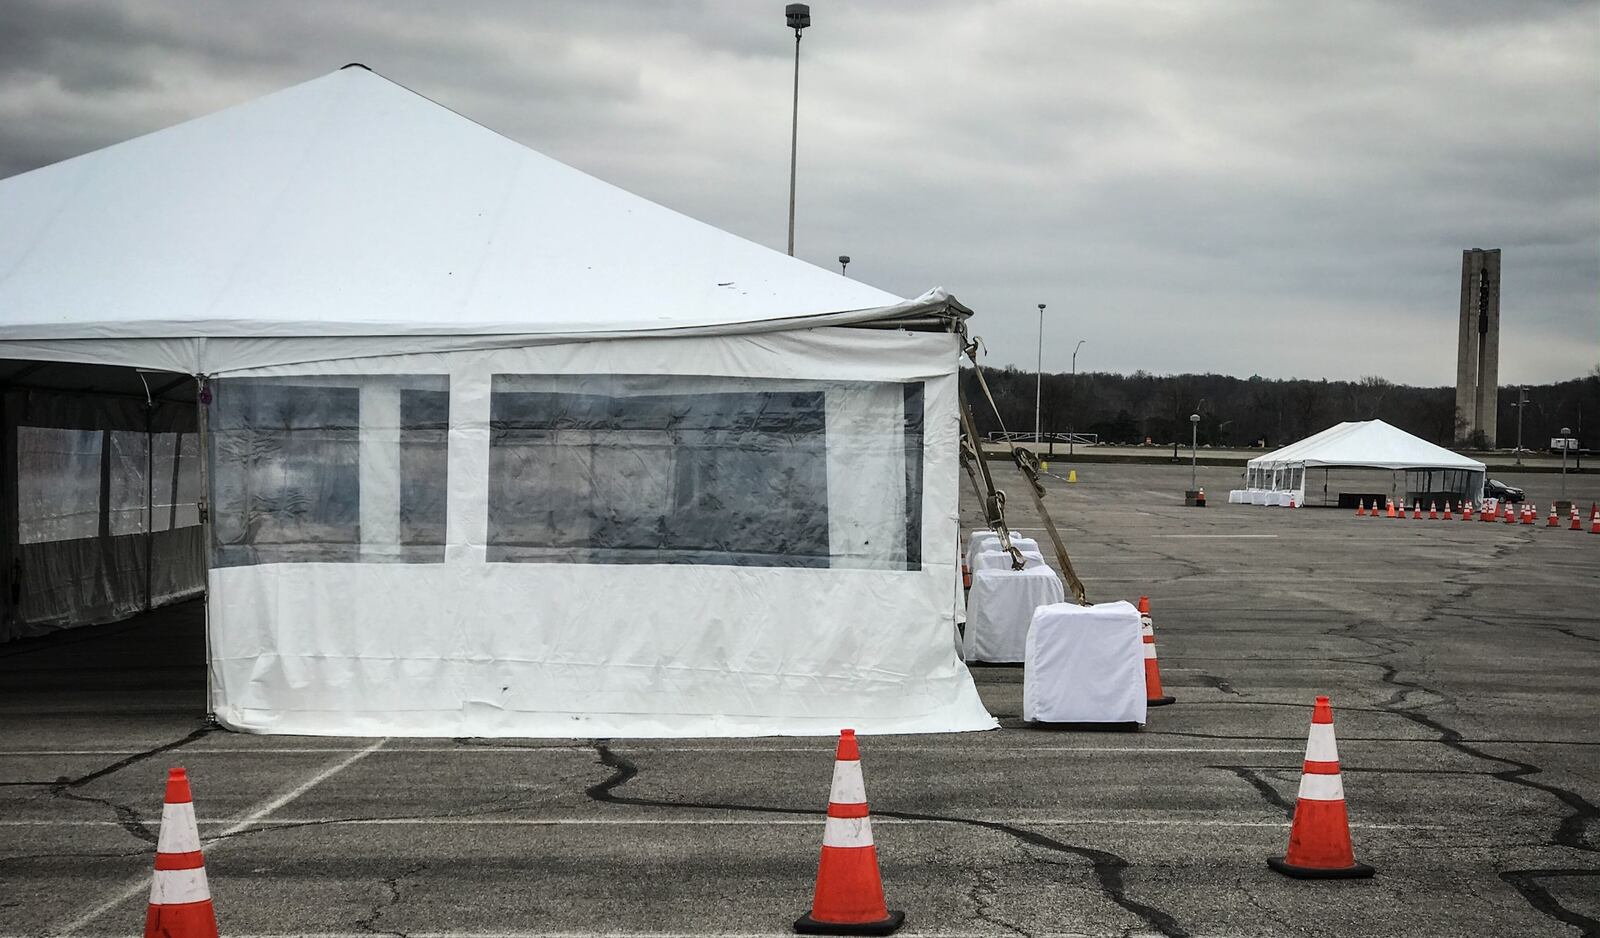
(1000, 608)
(986, 540)
(1238, 497)
(1000, 560)
(1085, 664)
(975, 542)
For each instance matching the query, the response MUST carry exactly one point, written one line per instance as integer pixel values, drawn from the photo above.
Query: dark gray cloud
(1248, 187)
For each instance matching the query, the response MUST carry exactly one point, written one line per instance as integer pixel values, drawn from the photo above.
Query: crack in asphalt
(982, 896)
(128, 817)
(1526, 883)
(1262, 786)
(391, 884)
(1108, 867)
(1586, 638)
(1255, 900)
(501, 805)
(1256, 737)
(1571, 832)
(1217, 683)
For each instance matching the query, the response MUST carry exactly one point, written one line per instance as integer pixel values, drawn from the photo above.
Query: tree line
(1256, 411)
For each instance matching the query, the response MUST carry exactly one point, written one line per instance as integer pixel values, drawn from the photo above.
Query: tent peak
(273, 218)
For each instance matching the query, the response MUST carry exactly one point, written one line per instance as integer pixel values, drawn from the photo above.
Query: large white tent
(495, 448)
(1430, 471)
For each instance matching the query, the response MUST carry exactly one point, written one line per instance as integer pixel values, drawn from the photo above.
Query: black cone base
(1356, 871)
(1160, 701)
(806, 925)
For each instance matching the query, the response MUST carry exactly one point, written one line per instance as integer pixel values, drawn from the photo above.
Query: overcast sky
(1275, 188)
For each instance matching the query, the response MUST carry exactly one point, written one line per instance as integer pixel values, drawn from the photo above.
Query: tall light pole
(1038, 379)
(1565, 432)
(1520, 405)
(798, 16)
(1194, 443)
(1072, 391)
(844, 261)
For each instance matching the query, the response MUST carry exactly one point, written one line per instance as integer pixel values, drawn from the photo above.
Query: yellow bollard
(1044, 466)
(1072, 475)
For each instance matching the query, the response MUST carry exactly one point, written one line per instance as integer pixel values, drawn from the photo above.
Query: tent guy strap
(1027, 463)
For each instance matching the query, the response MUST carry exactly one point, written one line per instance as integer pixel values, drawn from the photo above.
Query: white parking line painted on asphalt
(252, 817)
(288, 823)
(1233, 536)
(295, 792)
(628, 934)
(823, 746)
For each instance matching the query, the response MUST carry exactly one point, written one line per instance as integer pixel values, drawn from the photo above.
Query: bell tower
(1478, 349)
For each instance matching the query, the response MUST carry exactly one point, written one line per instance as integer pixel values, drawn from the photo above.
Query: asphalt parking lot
(1461, 658)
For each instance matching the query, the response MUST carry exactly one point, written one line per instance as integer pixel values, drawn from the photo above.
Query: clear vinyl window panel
(329, 469)
(705, 470)
(154, 481)
(58, 484)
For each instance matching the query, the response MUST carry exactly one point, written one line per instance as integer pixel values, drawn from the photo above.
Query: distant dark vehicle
(1494, 488)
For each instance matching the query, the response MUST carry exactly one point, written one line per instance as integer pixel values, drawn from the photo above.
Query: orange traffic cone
(1361, 508)
(1319, 840)
(1577, 522)
(849, 896)
(1448, 515)
(966, 576)
(1490, 513)
(1416, 510)
(1594, 520)
(1511, 516)
(180, 898)
(1152, 668)
(1466, 511)
(1433, 511)
(1391, 509)
(1530, 511)
(1552, 523)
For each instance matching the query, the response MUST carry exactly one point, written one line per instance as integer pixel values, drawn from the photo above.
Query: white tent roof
(1368, 443)
(351, 206)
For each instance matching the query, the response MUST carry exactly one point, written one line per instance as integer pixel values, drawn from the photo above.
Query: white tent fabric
(1366, 444)
(349, 206)
(497, 449)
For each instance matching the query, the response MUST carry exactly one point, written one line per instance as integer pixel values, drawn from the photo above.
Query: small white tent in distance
(493, 448)
(1361, 460)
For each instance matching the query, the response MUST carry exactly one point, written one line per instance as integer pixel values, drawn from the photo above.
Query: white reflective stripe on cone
(1147, 631)
(848, 832)
(848, 785)
(1320, 746)
(174, 887)
(178, 831)
(1150, 651)
(1314, 787)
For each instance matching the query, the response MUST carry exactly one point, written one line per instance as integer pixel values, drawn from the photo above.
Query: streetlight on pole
(1520, 404)
(1038, 379)
(1565, 433)
(1072, 389)
(1194, 444)
(798, 16)
(844, 261)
